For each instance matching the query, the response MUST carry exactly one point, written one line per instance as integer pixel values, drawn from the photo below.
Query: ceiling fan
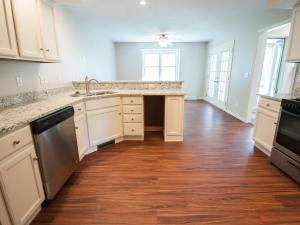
(164, 40)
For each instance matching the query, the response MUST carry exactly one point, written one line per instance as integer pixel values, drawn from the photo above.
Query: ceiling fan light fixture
(163, 41)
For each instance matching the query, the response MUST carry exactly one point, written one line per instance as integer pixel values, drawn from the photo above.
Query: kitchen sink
(98, 93)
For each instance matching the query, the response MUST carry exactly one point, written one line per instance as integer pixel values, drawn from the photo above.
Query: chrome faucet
(87, 84)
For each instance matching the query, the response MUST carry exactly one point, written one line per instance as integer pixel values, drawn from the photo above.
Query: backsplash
(131, 85)
(27, 97)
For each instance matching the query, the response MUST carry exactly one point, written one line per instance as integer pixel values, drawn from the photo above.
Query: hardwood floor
(214, 177)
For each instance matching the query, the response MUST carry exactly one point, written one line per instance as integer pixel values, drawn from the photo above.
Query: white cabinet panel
(48, 30)
(8, 44)
(81, 134)
(174, 108)
(104, 125)
(21, 184)
(294, 43)
(265, 128)
(27, 29)
(4, 216)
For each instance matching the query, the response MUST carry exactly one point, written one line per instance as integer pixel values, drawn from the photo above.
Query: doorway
(272, 75)
(218, 74)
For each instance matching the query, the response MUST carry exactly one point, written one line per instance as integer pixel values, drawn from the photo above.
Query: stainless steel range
(286, 151)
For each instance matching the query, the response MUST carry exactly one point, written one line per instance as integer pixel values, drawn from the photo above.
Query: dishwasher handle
(45, 123)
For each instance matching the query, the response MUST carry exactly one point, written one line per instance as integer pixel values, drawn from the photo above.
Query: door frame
(262, 36)
(219, 50)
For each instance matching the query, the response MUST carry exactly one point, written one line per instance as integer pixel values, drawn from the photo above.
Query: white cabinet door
(104, 125)
(48, 30)
(174, 109)
(82, 134)
(294, 43)
(4, 216)
(8, 44)
(21, 185)
(265, 128)
(27, 29)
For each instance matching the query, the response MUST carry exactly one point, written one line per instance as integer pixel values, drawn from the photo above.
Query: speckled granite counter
(13, 118)
(278, 97)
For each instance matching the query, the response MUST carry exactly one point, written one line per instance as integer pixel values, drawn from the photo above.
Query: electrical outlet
(19, 81)
(43, 79)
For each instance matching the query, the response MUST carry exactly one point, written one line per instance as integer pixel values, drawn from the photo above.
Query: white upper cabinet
(294, 43)
(8, 45)
(48, 30)
(28, 29)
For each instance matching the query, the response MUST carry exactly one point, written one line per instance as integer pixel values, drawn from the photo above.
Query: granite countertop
(13, 118)
(278, 97)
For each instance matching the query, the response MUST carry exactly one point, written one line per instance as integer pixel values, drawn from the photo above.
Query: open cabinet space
(154, 113)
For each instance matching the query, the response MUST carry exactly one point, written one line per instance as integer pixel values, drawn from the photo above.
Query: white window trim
(161, 51)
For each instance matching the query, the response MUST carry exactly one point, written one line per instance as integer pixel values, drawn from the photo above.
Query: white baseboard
(191, 98)
(228, 111)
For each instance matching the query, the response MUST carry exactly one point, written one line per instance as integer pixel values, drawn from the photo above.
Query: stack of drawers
(133, 112)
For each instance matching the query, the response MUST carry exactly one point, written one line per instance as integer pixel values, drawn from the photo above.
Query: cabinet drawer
(133, 118)
(133, 129)
(269, 104)
(133, 109)
(14, 141)
(79, 108)
(102, 103)
(132, 100)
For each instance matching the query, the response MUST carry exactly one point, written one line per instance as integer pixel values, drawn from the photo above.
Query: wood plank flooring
(215, 177)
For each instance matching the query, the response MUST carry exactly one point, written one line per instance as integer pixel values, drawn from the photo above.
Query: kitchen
(102, 122)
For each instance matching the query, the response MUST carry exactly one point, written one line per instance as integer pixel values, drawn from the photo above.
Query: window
(160, 65)
(212, 75)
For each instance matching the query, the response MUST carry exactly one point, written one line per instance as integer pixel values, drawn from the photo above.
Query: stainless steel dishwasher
(56, 146)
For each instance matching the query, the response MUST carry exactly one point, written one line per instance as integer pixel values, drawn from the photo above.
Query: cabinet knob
(132, 119)
(41, 49)
(79, 109)
(16, 142)
(76, 128)
(268, 105)
(132, 110)
(35, 158)
(47, 50)
(132, 130)
(120, 114)
(131, 101)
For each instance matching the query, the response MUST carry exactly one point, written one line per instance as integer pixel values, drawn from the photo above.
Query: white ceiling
(183, 20)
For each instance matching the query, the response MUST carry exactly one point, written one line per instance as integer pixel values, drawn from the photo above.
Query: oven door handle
(290, 113)
(291, 163)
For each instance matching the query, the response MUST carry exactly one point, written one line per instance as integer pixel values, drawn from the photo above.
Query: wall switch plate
(19, 81)
(246, 75)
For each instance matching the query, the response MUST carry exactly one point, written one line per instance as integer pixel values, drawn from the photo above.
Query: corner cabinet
(104, 125)
(174, 116)
(28, 30)
(8, 43)
(294, 43)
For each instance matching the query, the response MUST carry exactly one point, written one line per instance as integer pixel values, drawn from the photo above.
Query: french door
(219, 70)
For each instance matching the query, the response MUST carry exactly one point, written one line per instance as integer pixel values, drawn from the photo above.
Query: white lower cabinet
(21, 185)
(82, 134)
(174, 114)
(265, 125)
(4, 216)
(104, 125)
